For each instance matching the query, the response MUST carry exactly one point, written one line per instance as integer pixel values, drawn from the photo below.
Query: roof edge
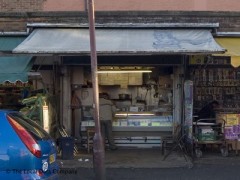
(227, 34)
(125, 25)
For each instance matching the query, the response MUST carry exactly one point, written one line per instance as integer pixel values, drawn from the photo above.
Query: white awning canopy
(67, 41)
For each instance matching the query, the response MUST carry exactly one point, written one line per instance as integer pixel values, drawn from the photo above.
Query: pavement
(142, 164)
(147, 158)
(128, 158)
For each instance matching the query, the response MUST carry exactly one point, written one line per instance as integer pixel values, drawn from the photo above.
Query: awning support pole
(98, 148)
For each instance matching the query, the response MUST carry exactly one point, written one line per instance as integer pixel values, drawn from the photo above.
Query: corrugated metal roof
(62, 41)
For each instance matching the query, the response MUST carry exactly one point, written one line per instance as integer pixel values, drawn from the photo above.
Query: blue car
(26, 150)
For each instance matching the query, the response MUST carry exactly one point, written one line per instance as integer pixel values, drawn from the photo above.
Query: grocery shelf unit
(216, 79)
(219, 82)
(11, 94)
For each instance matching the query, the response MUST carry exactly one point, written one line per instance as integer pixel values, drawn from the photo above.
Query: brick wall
(119, 5)
(15, 14)
(229, 22)
(12, 24)
(144, 5)
(64, 5)
(21, 5)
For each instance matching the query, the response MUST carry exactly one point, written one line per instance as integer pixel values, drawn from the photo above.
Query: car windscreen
(33, 128)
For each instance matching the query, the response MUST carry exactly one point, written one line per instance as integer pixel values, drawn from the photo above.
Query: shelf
(169, 89)
(12, 87)
(210, 86)
(121, 99)
(11, 93)
(221, 84)
(138, 128)
(132, 128)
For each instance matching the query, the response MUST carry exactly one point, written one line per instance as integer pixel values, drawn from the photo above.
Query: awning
(119, 41)
(232, 45)
(13, 68)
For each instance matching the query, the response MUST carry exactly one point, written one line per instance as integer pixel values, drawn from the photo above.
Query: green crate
(207, 136)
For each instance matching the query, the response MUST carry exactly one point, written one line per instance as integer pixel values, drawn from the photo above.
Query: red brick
(143, 5)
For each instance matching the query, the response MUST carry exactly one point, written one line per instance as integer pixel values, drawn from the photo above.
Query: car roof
(6, 110)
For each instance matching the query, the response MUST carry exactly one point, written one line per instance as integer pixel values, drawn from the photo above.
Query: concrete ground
(147, 158)
(129, 158)
(141, 164)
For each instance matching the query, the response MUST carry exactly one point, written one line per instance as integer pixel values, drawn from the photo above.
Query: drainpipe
(98, 148)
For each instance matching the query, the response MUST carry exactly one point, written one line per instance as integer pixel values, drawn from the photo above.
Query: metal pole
(98, 148)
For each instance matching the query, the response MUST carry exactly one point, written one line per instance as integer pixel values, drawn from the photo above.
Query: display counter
(142, 124)
(139, 124)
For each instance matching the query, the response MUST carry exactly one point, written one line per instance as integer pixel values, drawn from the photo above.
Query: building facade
(15, 16)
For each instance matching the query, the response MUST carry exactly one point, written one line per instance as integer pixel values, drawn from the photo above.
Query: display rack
(11, 94)
(216, 83)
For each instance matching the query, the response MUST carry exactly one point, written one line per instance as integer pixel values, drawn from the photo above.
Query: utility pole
(98, 148)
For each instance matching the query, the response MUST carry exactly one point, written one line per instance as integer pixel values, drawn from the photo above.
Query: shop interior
(146, 95)
(146, 101)
(143, 96)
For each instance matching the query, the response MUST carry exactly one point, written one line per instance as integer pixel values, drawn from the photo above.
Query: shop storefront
(149, 104)
(14, 85)
(230, 114)
(143, 95)
(217, 78)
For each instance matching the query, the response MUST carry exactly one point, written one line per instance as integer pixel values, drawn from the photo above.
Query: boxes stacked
(232, 128)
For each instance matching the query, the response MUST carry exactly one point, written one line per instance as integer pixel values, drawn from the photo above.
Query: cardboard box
(220, 116)
(230, 119)
(234, 144)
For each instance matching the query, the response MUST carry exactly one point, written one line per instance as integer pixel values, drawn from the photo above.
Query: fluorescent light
(134, 114)
(123, 71)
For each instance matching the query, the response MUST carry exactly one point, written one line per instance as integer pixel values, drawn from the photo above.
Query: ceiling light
(135, 114)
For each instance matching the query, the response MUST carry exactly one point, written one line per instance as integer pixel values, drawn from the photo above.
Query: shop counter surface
(138, 128)
(131, 131)
(142, 131)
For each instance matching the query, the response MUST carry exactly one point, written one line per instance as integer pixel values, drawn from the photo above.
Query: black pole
(98, 148)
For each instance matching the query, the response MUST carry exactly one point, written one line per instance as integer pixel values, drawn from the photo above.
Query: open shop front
(22, 88)
(216, 78)
(144, 104)
(14, 85)
(150, 105)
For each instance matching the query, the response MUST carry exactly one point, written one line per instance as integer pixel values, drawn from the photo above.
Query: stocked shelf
(11, 94)
(221, 84)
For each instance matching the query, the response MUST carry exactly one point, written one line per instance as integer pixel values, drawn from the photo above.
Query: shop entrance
(126, 42)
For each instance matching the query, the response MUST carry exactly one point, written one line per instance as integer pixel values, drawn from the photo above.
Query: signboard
(210, 60)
